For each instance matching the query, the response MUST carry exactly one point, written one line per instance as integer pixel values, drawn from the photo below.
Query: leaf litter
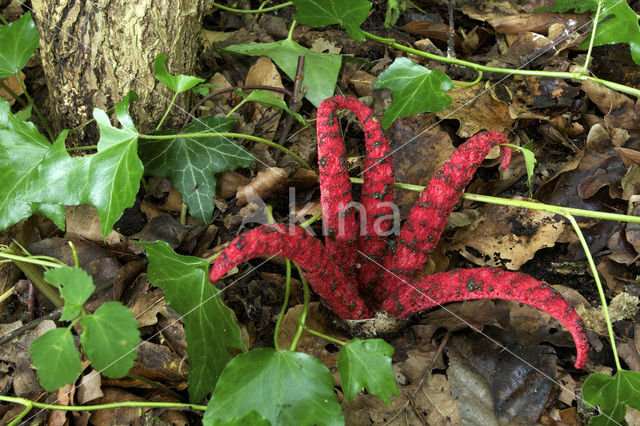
(585, 141)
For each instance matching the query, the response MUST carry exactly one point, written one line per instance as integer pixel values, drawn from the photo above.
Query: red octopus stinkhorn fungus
(355, 271)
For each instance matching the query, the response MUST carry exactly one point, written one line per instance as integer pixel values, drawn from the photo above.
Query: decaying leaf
(267, 184)
(507, 236)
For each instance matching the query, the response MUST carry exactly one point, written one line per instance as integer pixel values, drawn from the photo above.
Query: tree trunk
(94, 52)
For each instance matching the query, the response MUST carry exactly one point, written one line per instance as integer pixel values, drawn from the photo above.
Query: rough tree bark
(94, 52)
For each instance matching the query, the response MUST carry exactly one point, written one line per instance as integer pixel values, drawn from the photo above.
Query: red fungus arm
(377, 190)
(338, 214)
(423, 228)
(293, 242)
(487, 283)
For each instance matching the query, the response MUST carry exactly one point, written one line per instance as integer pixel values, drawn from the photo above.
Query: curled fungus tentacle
(388, 278)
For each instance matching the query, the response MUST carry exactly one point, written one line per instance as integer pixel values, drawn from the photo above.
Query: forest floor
(504, 361)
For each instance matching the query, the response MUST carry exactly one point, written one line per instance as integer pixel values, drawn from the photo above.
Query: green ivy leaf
(209, 325)
(55, 356)
(252, 418)
(578, 6)
(22, 148)
(108, 180)
(190, 163)
(203, 89)
(415, 89)
(268, 99)
(109, 338)
(529, 160)
(75, 287)
(285, 387)
(612, 395)
(320, 69)
(394, 8)
(621, 28)
(19, 40)
(366, 364)
(177, 83)
(320, 13)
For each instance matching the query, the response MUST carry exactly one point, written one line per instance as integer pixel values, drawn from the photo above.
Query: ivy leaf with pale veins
(75, 287)
(415, 89)
(208, 324)
(190, 163)
(110, 337)
(320, 69)
(22, 148)
(612, 395)
(55, 356)
(320, 13)
(366, 364)
(108, 180)
(284, 387)
(19, 40)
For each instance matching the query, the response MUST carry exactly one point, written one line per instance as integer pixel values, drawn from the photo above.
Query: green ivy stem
(591, 40)
(183, 214)
(26, 265)
(4, 296)
(267, 142)
(287, 286)
(311, 220)
(29, 259)
(266, 9)
(75, 254)
(4, 21)
(596, 277)
(211, 259)
(235, 108)
(43, 121)
(477, 67)
(28, 406)
(293, 25)
(305, 309)
(285, 304)
(469, 83)
(11, 93)
(166, 113)
(526, 204)
(324, 336)
(125, 404)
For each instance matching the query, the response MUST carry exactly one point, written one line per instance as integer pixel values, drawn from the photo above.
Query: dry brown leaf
(476, 114)
(507, 236)
(265, 73)
(629, 156)
(618, 108)
(362, 82)
(267, 184)
(64, 396)
(147, 306)
(117, 416)
(90, 387)
(12, 83)
(228, 184)
(84, 222)
(420, 147)
(306, 211)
